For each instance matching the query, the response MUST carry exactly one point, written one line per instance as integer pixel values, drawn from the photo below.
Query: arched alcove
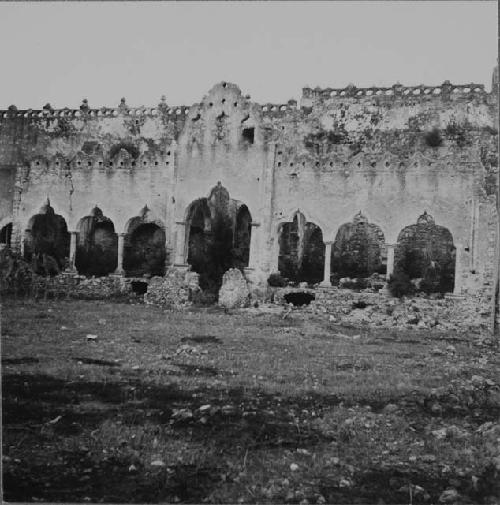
(218, 236)
(241, 237)
(426, 251)
(6, 234)
(301, 250)
(358, 249)
(46, 241)
(97, 245)
(145, 251)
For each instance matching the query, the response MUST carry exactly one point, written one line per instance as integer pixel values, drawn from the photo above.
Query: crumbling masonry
(348, 182)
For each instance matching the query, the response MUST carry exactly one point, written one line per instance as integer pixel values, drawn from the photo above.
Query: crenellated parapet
(396, 91)
(103, 112)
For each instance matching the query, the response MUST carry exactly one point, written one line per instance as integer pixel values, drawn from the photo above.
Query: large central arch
(218, 236)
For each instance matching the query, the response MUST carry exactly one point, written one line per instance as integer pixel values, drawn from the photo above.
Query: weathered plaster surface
(336, 153)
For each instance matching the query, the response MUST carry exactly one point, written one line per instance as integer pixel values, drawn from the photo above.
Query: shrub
(433, 138)
(400, 284)
(276, 280)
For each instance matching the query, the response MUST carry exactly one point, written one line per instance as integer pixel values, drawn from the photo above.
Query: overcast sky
(63, 52)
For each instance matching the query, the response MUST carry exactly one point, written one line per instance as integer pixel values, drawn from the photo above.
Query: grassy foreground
(108, 402)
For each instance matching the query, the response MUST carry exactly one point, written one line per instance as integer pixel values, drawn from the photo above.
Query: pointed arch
(97, 245)
(301, 250)
(218, 230)
(426, 251)
(358, 249)
(144, 249)
(47, 241)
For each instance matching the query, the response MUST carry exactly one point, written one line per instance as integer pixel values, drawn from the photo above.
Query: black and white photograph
(250, 252)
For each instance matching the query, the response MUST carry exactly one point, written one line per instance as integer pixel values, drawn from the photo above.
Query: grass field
(242, 407)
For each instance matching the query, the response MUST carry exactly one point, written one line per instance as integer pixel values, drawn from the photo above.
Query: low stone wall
(175, 290)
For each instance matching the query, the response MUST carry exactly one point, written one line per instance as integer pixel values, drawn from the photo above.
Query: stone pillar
(121, 245)
(72, 251)
(390, 260)
(457, 290)
(328, 260)
(180, 243)
(253, 260)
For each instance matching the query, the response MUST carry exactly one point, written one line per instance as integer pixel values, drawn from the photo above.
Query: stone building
(347, 182)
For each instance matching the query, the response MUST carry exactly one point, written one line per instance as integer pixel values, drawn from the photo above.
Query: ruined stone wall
(339, 152)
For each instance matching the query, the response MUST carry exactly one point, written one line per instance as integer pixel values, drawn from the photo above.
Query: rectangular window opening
(248, 134)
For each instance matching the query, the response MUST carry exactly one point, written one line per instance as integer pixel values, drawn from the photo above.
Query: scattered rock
(91, 337)
(449, 496)
(294, 467)
(156, 462)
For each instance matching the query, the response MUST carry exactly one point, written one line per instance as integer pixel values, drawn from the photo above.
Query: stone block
(234, 291)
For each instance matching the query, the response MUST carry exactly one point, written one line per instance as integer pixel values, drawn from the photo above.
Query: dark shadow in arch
(218, 237)
(97, 245)
(426, 251)
(302, 251)
(144, 252)
(358, 249)
(47, 241)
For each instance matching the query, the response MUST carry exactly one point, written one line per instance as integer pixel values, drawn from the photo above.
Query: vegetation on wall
(433, 138)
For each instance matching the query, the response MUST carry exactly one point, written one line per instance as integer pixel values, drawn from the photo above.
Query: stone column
(180, 243)
(328, 259)
(390, 260)
(253, 260)
(72, 251)
(121, 245)
(457, 290)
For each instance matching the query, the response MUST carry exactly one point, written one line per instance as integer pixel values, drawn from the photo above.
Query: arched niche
(301, 250)
(242, 236)
(47, 241)
(6, 234)
(426, 251)
(97, 245)
(218, 236)
(144, 251)
(358, 249)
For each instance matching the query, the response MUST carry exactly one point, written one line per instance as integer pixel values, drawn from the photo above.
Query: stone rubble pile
(378, 309)
(175, 290)
(234, 292)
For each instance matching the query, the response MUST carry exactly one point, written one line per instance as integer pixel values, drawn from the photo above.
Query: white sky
(63, 52)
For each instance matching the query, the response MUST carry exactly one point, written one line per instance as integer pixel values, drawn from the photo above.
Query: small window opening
(249, 135)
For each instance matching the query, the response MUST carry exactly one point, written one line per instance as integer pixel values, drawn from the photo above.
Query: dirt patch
(100, 362)
(202, 339)
(78, 478)
(200, 370)
(20, 361)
